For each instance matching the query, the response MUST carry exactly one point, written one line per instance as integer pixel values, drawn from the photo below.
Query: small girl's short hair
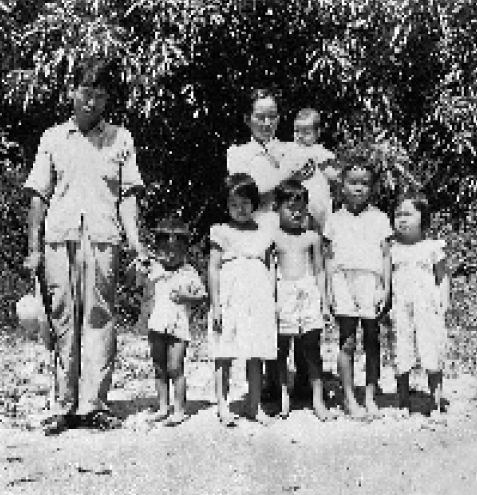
(243, 185)
(420, 202)
(291, 190)
(309, 113)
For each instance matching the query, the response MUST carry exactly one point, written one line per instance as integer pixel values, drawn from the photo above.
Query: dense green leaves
(400, 76)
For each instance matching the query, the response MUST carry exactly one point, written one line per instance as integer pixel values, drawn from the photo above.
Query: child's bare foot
(355, 411)
(176, 419)
(285, 412)
(322, 413)
(260, 417)
(373, 410)
(227, 418)
(159, 415)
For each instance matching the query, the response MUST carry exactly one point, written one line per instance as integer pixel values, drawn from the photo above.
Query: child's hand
(217, 320)
(306, 172)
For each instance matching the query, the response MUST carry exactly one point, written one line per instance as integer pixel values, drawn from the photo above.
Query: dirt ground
(415, 456)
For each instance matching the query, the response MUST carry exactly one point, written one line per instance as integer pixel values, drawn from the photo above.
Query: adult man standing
(83, 181)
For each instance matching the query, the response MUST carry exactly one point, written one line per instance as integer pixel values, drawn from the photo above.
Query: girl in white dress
(420, 294)
(243, 321)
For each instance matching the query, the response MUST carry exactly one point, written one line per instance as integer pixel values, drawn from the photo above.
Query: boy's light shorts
(356, 293)
(299, 306)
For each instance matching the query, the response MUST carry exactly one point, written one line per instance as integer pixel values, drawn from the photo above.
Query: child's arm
(215, 262)
(320, 274)
(387, 271)
(327, 254)
(443, 282)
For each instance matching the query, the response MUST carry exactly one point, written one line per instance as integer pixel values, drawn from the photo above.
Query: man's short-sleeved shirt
(357, 240)
(81, 181)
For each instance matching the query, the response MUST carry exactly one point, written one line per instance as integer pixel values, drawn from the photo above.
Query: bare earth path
(299, 455)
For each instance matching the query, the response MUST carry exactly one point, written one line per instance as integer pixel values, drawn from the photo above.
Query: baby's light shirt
(357, 240)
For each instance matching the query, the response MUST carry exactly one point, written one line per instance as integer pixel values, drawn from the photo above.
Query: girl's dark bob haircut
(420, 202)
(291, 190)
(243, 185)
(360, 166)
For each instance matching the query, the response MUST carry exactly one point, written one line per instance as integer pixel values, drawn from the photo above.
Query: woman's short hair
(291, 190)
(420, 202)
(256, 94)
(243, 185)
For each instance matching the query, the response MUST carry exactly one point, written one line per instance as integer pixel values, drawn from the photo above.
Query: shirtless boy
(301, 295)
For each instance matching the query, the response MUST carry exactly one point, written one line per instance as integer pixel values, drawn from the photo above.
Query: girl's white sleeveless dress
(246, 293)
(418, 318)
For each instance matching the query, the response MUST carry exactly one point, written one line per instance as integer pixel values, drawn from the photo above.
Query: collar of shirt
(345, 211)
(97, 130)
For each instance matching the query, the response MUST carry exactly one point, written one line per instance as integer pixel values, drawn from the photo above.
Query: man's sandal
(101, 419)
(58, 423)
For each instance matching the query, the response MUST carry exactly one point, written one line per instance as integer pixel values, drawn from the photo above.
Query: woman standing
(263, 157)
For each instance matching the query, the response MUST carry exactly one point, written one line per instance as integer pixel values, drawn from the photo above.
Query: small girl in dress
(171, 287)
(243, 321)
(420, 295)
(358, 272)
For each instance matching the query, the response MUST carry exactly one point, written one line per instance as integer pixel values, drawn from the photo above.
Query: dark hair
(306, 113)
(256, 94)
(243, 185)
(96, 72)
(291, 190)
(172, 225)
(358, 156)
(421, 204)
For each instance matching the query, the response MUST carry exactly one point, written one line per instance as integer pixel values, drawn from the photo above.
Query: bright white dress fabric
(246, 294)
(357, 260)
(417, 314)
(166, 316)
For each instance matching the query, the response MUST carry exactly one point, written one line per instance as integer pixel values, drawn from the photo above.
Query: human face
(89, 104)
(304, 132)
(357, 188)
(407, 221)
(263, 120)
(292, 215)
(240, 208)
(171, 248)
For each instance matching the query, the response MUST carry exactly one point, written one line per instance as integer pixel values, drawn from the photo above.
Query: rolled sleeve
(39, 180)
(131, 180)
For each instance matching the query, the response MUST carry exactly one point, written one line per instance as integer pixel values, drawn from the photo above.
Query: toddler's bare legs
(222, 387)
(373, 363)
(347, 326)
(175, 371)
(283, 351)
(158, 349)
(434, 380)
(254, 377)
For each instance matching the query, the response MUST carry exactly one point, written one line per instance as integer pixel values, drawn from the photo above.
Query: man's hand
(33, 261)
